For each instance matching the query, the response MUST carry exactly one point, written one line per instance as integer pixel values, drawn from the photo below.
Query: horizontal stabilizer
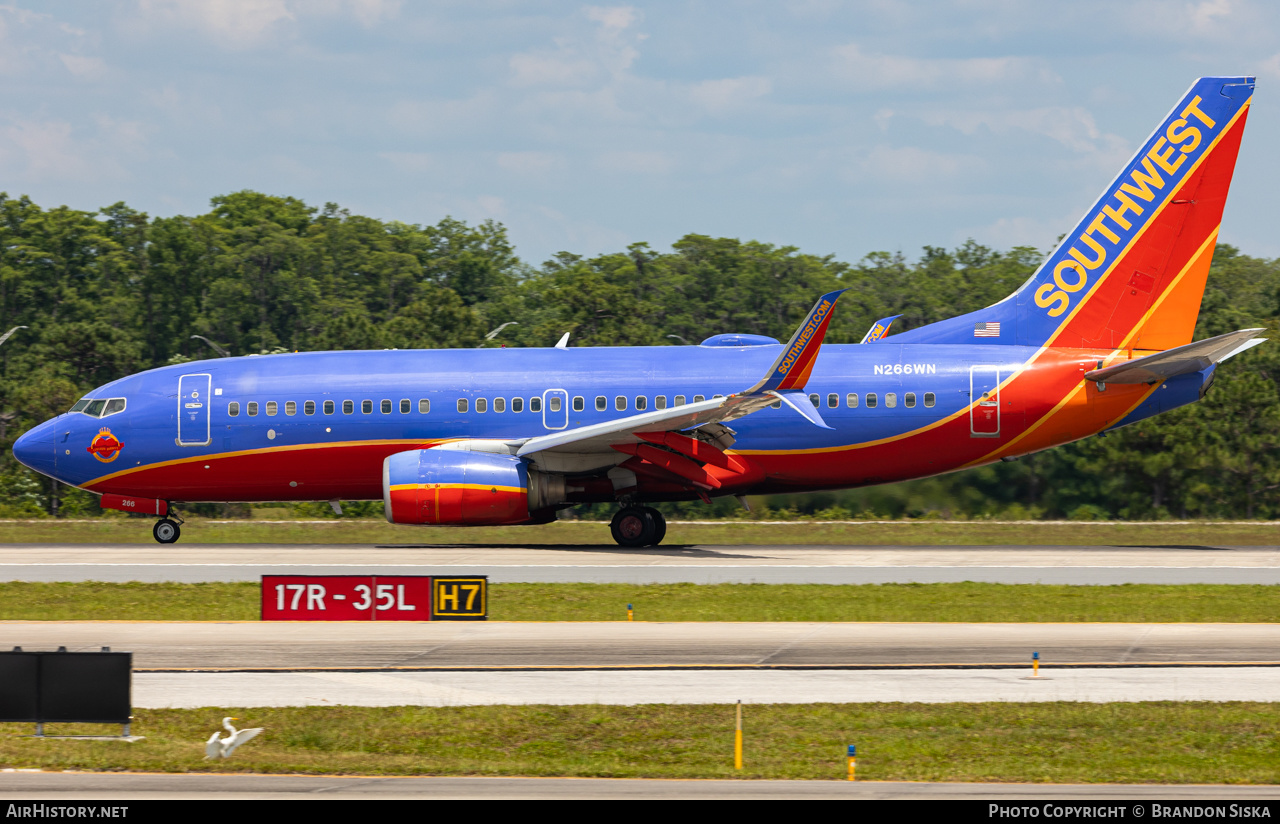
(1181, 360)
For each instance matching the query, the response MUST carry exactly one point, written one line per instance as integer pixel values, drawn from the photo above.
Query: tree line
(108, 293)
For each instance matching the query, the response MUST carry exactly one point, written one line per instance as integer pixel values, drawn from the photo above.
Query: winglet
(800, 402)
(791, 369)
(879, 329)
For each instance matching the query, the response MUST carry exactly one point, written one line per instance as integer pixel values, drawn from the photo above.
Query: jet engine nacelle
(461, 488)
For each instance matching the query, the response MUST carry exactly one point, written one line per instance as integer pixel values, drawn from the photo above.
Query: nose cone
(35, 449)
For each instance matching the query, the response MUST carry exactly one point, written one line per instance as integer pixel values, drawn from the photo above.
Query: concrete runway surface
(587, 644)
(189, 690)
(665, 564)
(67, 787)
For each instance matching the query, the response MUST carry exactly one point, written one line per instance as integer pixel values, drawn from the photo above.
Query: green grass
(1140, 603)
(1156, 742)
(941, 533)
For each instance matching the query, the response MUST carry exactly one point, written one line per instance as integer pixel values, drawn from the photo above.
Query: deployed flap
(1180, 360)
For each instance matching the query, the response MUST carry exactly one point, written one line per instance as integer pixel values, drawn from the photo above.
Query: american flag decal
(987, 330)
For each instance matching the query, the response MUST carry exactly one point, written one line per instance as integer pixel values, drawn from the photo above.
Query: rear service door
(984, 399)
(555, 409)
(194, 398)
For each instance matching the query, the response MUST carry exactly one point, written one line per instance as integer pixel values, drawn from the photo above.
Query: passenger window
(348, 407)
(535, 404)
(328, 407)
(555, 403)
(660, 402)
(462, 404)
(579, 403)
(113, 406)
(252, 408)
(620, 403)
(424, 406)
(833, 401)
(910, 400)
(813, 399)
(851, 400)
(233, 409)
(290, 407)
(517, 404)
(679, 400)
(94, 409)
(499, 404)
(642, 403)
(482, 405)
(776, 405)
(602, 403)
(386, 407)
(366, 407)
(890, 400)
(272, 408)
(929, 399)
(405, 406)
(699, 398)
(309, 408)
(871, 400)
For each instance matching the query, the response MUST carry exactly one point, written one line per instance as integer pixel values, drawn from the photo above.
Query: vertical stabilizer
(1132, 272)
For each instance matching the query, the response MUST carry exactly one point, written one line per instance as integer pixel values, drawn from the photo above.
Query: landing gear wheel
(166, 531)
(633, 527)
(659, 525)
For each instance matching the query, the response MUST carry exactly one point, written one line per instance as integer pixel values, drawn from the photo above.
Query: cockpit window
(80, 405)
(113, 406)
(94, 409)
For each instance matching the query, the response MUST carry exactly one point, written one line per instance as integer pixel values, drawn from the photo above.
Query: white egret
(223, 747)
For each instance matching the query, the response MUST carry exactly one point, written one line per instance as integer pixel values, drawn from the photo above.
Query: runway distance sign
(373, 597)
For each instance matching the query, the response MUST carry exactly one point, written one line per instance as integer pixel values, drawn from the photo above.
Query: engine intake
(462, 488)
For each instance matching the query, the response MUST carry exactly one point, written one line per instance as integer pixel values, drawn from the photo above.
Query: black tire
(659, 526)
(633, 527)
(166, 531)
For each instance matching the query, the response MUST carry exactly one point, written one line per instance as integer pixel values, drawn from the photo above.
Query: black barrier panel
(89, 687)
(19, 676)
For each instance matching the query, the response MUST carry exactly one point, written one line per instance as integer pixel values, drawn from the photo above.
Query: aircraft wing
(1180, 360)
(653, 439)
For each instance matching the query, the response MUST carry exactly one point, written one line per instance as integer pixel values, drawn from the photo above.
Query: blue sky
(840, 128)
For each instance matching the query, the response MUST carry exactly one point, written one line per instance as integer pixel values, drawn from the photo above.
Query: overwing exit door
(193, 409)
(555, 409)
(984, 400)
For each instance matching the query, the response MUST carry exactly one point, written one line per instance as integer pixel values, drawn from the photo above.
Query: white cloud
(245, 23)
(1203, 14)
(40, 151)
(86, 68)
(531, 164)
(606, 53)
(877, 71)
(1073, 127)
(720, 95)
(915, 165)
(635, 162)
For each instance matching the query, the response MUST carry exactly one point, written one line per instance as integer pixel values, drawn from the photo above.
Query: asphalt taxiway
(252, 645)
(799, 564)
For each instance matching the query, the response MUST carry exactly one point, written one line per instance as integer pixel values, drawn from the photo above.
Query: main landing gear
(637, 526)
(167, 531)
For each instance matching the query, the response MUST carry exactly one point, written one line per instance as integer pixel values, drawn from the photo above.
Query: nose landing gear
(637, 526)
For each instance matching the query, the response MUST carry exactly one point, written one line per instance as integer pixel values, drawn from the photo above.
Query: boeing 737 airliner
(1099, 337)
